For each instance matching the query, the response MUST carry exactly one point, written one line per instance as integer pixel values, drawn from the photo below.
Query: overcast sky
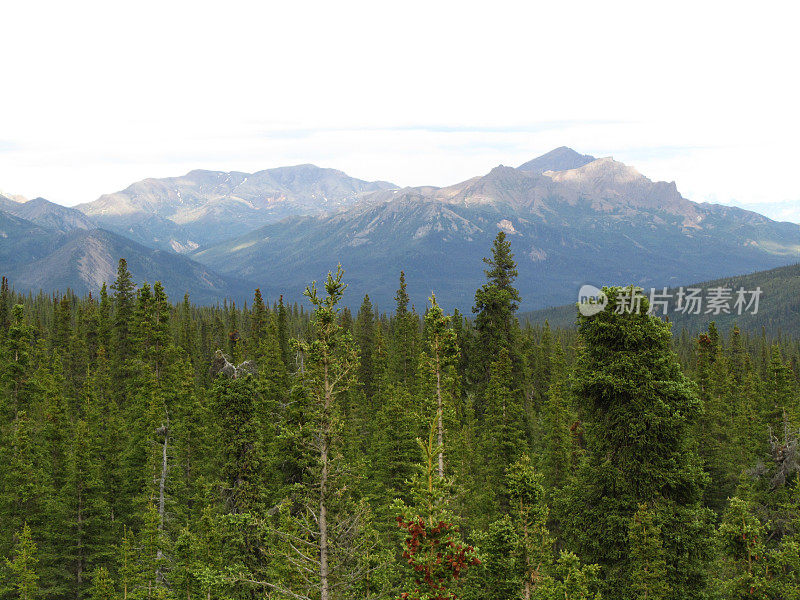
(96, 95)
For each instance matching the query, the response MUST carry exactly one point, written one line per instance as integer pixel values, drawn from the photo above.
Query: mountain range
(204, 207)
(571, 219)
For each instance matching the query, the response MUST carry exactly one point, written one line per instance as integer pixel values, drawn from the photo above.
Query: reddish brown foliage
(437, 559)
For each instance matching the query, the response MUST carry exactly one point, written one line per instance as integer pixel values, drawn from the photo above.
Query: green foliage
(641, 408)
(570, 581)
(437, 558)
(741, 539)
(504, 432)
(102, 586)
(16, 361)
(23, 579)
(495, 305)
(241, 449)
(439, 356)
(128, 469)
(648, 565)
(405, 340)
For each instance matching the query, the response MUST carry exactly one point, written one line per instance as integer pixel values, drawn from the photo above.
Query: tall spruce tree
(431, 541)
(365, 338)
(16, 375)
(560, 450)
(496, 326)
(439, 356)
(640, 408)
(529, 514)
(405, 339)
(124, 304)
(330, 528)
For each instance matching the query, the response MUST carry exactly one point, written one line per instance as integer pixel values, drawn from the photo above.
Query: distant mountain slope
(438, 248)
(602, 221)
(21, 241)
(47, 214)
(778, 310)
(36, 258)
(153, 231)
(203, 207)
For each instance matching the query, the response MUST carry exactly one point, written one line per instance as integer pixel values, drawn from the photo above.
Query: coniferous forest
(159, 450)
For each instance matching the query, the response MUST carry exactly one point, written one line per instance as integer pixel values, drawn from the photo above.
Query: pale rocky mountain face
(209, 206)
(12, 197)
(600, 186)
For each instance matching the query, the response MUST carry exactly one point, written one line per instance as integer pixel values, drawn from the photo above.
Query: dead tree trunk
(162, 484)
(439, 410)
(323, 489)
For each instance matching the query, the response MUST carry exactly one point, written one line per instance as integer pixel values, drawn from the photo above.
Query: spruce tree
(504, 432)
(24, 580)
(560, 451)
(498, 299)
(161, 336)
(496, 327)
(715, 429)
(16, 372)
(234, 403)
(124, 297)
(102, 585)
(440, 355)
(62, 326)
(405, 339)
(529, 514)
(781, 390)
(335, 527)
(365, 338)
(258, 326)
(431, 546)
(25, 485)
(570, 580)
(744, 570)
(640, 408)
(5, 305)
(395, 456)
(88, 524)
(283, 334)
(104, 318)
(188, 330)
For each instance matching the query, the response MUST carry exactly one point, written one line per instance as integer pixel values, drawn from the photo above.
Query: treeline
(159, 450)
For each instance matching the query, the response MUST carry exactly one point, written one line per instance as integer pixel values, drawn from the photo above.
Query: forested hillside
(159, 450)
(778, 310)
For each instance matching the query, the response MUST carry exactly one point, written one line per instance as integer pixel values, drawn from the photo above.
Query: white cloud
(97, 96)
